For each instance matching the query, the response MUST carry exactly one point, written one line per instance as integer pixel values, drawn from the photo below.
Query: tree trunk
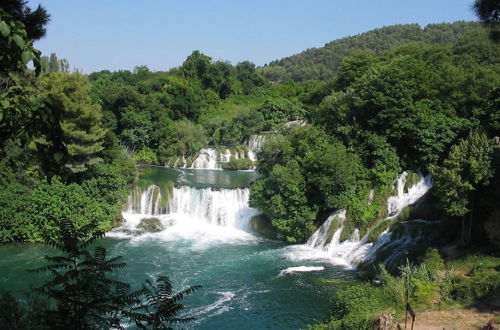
(471, 214)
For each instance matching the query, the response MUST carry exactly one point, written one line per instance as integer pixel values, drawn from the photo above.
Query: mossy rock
(379, 229)
(190, 160)
(334, 226)
(262, 225)
(151, 225)
(411, 179)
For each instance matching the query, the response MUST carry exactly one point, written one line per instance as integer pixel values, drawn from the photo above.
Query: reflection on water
(198, 178)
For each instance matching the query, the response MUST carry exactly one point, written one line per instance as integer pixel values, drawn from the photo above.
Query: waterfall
(395, 204)
(147, 202)
(207, 159)
(254, 144)
(219, 207)
(212, 159)
(189, 209)
(356, 249)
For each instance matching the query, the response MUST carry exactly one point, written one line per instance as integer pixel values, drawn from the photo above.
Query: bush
(355, 307)
(477, 286)
(433, 262)
(146, 157)
(14, 223)
(51, 202)
(238, 164)
(425, 292)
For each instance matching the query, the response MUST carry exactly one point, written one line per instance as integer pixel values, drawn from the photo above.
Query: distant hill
(322, 63)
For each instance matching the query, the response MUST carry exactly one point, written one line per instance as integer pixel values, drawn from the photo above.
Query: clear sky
(120, 34)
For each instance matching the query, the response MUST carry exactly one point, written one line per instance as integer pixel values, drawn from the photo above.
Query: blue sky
(120, 34)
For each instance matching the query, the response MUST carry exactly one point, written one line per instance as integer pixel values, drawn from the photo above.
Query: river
(249, 282)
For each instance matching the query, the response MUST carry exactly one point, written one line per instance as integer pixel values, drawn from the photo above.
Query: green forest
(341, 121)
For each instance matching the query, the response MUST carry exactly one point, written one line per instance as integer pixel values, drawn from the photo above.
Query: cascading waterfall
(207, 159)
(212, 159)
(220, 207)
(189, 209)
(358, 249)
(254, 145)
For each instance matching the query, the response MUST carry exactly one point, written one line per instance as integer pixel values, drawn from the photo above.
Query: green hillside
(322, 63)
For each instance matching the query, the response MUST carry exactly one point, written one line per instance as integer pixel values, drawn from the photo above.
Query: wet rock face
(151, 225)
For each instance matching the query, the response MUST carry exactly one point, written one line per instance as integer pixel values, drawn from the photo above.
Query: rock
(151, 225)
(384, 322)
(262, 225)
(492, 325)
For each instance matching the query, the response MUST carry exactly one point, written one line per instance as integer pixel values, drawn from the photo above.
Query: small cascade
(320, 237)
(254, 144)
(356, 249)
(147, 202)
(408, 196)
(212, 158)
(207, 159)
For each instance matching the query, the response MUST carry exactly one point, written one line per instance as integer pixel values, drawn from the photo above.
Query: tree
(282, 197)
(82, 295)
(18, 109)
(33, 20)
(73, 138)
(249, 77)
(467, 166)
(279, 110)
(185, 139)
(488, 11)
(53, 63)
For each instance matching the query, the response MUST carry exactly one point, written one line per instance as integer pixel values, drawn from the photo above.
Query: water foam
(301, 269)
(207, 216)
(323, 245)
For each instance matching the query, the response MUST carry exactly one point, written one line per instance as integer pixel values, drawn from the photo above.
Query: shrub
(146, 156)
(238, 164)
(425, 292)
(433, 262)
(468, 289)
(355, 306)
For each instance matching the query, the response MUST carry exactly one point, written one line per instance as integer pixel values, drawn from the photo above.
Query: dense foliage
(340, 123)
(323, 63)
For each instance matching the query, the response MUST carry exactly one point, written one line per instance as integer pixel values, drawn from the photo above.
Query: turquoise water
(197, 178)
(248, 282)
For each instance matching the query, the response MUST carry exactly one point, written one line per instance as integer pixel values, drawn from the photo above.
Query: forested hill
(322, 63)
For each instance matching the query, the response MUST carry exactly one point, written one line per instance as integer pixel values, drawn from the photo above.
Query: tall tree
(75, 133)
(467, 166)
(488, 12)
(53, 63)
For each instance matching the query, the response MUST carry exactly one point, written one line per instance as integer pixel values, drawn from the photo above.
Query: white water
(254, 145)
(301, 269)
(355, 250)
(207, 214)
(207, 159)
(212, 159)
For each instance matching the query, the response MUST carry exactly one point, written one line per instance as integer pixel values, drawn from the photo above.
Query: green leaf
(1, 115)
(58, 156)
(26, 56)
(19, 41)
(5, 103)
(4, 29)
